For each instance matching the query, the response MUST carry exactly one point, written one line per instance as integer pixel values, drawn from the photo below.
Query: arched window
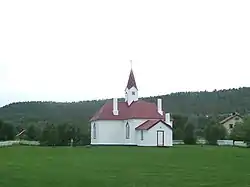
(94, 131)
(127, 131)
(141, 134)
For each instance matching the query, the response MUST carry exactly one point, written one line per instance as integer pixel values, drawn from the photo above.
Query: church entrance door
(160, 138)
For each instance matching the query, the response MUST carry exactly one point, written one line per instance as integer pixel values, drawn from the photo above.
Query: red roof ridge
(138, 110)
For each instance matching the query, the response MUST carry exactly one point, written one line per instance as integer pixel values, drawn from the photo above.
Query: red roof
(131, 80)
(150, 123)
(137, 110)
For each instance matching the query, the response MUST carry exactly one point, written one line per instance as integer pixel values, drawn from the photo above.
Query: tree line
(191, 129)
(211, 131)
(49, 135)
(184, 129)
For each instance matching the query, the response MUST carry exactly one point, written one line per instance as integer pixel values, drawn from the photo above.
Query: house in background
(131, 122)
(230, 122)
(21, 135)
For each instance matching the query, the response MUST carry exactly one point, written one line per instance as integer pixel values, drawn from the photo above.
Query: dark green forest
(186, 107)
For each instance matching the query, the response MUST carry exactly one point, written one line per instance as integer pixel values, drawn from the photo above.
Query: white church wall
(150, 136)
(109, 132)
(113, 132)
(133, 123)
(169, 137)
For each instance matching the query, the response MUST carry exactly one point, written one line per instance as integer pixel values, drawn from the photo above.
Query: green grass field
(181, 166)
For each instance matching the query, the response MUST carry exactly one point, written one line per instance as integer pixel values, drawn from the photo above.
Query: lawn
(182, 166)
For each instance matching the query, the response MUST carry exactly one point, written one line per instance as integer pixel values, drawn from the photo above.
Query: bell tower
(131, 91)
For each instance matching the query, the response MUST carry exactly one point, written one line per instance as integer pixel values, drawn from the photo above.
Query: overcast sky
(80, 50)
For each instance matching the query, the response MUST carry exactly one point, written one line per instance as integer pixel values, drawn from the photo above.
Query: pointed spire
(131, 80)
(131, 92)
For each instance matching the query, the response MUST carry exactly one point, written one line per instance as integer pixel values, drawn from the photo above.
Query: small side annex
(154, 133)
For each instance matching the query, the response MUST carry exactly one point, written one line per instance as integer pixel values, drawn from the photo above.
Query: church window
(127, 131)
(141, 134)
(94, 131)
(230, 126)
(133, 93)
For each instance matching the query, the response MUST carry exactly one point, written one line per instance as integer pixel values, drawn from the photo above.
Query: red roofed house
(132, 122)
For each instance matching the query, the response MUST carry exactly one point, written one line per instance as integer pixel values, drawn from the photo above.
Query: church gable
(151, 123)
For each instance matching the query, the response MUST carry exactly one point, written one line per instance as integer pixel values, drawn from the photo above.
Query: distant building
(21, 135)
(230, 122)
(131, 122)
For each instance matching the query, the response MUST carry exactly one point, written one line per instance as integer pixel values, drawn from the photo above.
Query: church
(132, 121)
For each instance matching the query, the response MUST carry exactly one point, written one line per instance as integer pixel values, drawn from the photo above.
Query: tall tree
(189, 135)
(238, 132)
(7, 131)
(178, 126)
(214, 132)
(32, 133)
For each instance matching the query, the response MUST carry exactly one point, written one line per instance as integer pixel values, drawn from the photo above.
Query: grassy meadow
(180, 166)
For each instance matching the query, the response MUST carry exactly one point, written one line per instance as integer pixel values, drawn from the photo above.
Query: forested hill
(203, 103)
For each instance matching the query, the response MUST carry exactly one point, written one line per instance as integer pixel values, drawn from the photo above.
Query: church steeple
(131, 91)
(131, 80)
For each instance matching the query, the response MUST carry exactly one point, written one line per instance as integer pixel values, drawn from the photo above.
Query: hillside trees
(182, 103)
